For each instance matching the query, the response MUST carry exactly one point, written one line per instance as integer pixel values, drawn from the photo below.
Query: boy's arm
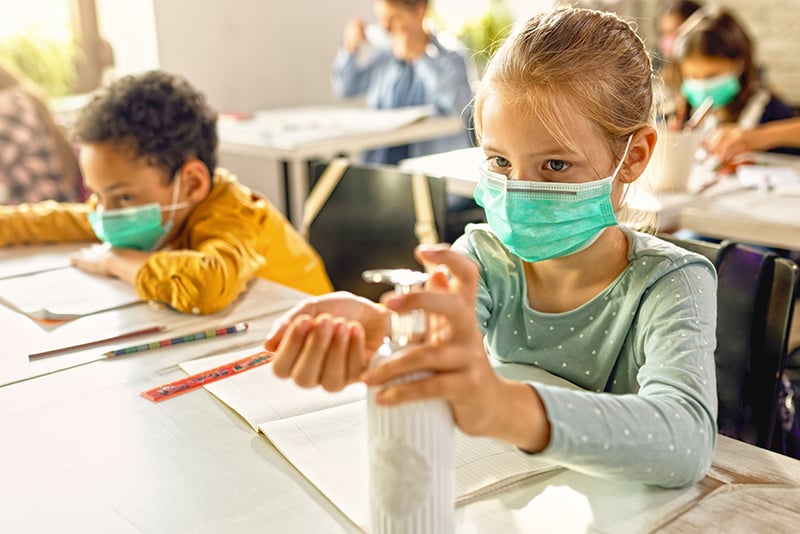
(44, 222)
(198, 281)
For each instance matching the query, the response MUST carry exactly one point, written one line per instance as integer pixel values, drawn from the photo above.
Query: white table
(83, 452)
(298, 135)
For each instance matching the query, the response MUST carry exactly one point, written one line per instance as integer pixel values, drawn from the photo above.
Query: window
(56, 43)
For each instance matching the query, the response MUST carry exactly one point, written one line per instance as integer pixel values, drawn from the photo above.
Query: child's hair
(158, 116)
(682, 8)
(588, 61)
(715, 32)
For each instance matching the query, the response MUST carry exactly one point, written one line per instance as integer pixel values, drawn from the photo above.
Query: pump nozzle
(404, 327)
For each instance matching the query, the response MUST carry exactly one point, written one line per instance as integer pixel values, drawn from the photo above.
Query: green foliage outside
(48, 64)
(484, 34)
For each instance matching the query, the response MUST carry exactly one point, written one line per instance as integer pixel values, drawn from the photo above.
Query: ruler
(192, 382)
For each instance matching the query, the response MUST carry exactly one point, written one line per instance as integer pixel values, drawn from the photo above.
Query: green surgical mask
(136, 227)
(543, 220)
(722, 89)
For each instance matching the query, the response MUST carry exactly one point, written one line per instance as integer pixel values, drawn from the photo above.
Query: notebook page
(329, 448)
(22, 260)
(259, 396)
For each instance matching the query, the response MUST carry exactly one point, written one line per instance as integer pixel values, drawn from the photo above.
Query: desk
(725, 210)
(82, 452)
(298, 135)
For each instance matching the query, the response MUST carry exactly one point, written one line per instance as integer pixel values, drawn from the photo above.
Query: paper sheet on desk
(773, 177)
(18, 261)
(294, 127)
(324, 434)
(65, 294)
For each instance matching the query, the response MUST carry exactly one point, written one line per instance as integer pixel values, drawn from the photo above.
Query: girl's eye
(500, 161)
(556, 165)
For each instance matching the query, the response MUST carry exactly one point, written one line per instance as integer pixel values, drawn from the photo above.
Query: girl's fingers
(334, 366)
(308, 365)
(357, 358)
(291, 342)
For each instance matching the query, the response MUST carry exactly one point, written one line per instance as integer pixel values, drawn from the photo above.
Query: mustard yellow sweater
(228, 239)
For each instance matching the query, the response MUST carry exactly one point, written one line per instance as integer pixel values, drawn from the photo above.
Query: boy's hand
(354, 35)
(122, 263)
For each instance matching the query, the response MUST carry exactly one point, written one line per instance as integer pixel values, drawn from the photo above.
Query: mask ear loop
(624, 198)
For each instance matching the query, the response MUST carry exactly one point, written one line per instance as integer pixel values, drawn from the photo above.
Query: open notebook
(324, 435)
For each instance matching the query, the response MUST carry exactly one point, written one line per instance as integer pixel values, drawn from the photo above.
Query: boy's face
(119, 180)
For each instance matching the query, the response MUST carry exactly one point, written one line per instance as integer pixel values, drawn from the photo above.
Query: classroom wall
(254, 54)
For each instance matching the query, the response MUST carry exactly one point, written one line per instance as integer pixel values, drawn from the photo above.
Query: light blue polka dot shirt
(643, 349)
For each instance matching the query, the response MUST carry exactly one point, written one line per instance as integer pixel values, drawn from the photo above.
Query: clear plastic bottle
(411, 444)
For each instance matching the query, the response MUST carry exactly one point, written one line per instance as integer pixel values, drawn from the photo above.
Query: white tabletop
(297, 135)
(82, 451)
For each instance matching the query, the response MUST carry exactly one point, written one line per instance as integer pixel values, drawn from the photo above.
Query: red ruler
(192, 382)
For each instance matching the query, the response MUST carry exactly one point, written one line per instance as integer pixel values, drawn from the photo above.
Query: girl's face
(698, 67)
(518, 145)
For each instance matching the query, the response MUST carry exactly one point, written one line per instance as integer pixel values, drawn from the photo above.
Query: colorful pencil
(134, 333)
(189, 383)
(197, 336)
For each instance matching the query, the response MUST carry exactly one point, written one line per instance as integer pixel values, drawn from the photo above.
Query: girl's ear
(195, 180)
(639, 154)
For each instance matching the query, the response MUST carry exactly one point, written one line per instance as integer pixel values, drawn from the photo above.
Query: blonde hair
(11, 77)
(590, 62)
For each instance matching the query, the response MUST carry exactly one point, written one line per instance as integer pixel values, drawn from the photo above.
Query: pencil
(197, 336)
(134, 333)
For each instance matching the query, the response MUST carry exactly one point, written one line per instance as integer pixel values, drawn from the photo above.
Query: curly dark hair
(158, 115)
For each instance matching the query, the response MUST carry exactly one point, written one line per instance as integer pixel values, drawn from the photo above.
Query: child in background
(183, 231)
(412, 68)
(716, 59)
(563, 114)
(37, 162)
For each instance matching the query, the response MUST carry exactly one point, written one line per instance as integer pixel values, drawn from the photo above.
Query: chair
(755, 302)
(368, 222)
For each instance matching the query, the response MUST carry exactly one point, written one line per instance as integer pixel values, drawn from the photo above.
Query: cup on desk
(674, 156)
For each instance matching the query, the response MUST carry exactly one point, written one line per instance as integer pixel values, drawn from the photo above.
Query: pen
(135, 333)
(186, 384)
(206, 334)
(699, 114)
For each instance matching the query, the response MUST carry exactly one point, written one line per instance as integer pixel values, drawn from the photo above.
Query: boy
(181, 231)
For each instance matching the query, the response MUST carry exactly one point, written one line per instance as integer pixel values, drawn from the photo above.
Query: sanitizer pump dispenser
(410, 444)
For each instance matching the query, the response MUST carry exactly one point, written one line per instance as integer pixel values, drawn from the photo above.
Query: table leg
(297, 183)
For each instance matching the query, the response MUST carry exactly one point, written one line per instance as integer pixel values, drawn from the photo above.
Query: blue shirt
(642, 349)
(439, 78)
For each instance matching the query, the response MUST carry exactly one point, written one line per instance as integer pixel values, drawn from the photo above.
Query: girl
(563, 115)
(716, 59)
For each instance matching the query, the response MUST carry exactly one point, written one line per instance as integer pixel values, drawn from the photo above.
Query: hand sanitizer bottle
(411, 444)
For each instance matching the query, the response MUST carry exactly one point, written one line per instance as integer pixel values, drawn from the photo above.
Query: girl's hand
(327, 340)
(482, 403)
(728, 141)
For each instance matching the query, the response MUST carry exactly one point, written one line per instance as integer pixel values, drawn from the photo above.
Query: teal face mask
(722, 89)
(543, 220)
(136, 227)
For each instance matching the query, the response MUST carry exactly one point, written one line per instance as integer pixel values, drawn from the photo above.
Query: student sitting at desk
(716, 59)
(183, 231)
(412, 68)
(563, 114)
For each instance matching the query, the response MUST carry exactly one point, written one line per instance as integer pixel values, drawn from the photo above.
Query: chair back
(755, 302)
(368, 222)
